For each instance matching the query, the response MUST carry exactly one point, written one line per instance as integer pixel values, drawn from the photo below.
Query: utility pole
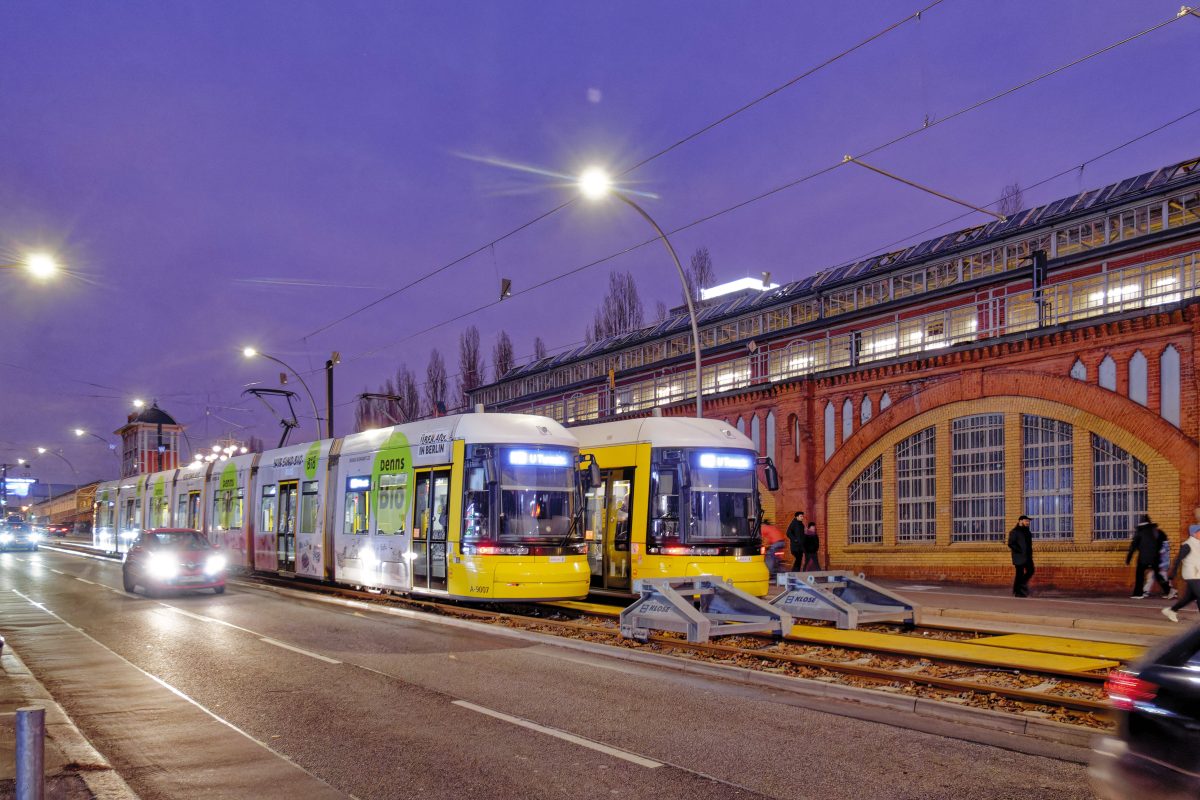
(330, 363)
(4, 487)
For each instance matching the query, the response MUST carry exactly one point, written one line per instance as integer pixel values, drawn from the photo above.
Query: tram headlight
(162, 565)
(214, 564)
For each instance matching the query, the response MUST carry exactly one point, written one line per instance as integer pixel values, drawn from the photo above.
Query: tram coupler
(844, 598)
(700, 607)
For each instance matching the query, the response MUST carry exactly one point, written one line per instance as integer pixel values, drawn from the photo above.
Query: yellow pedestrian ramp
(1062, 646)
(969, 652)
(588, 608)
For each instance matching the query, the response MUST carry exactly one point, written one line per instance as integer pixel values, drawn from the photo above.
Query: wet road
(257, 694)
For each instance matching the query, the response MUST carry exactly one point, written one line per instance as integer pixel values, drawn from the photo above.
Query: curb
(94, 769)
(1073, 736)
(1077, 623)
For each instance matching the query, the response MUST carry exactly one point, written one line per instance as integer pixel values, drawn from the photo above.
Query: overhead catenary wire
(927, 126)
(916, 15)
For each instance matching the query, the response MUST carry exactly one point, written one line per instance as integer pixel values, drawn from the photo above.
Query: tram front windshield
(537, 495)
(722, 504)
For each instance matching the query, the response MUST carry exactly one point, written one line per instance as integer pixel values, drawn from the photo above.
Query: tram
(676, 497)
(482, 507)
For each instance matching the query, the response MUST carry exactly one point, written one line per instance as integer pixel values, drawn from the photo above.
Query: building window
(1108, 374)
(830, 444)
(866, 505)
(977, 486)
(754, 434)
(795, 437)
(885, 401)
(1118, 490)
(741, 426)
(916, 487)
(770, 425)
(847, 419)
(1047, 461)
(1137, 378)
(866, 410)
(1078, 371)
(1168, 378)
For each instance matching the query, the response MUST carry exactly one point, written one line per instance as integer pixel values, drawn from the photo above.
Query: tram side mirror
(771, 476)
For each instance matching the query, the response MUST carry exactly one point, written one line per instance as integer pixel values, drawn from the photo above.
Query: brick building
(918, 402)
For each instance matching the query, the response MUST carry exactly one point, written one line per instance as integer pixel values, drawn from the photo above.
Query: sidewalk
(73, 768)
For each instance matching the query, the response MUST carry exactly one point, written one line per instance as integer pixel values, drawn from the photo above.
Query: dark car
(173, 558)
(1156, 752)
(19, 536)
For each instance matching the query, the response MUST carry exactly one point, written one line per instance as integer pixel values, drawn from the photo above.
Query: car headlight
(5, 538)
(214, 564)
(162, 565)
(35, 537)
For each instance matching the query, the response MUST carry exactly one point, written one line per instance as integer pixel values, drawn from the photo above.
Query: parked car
(19, 536)
(162, 559)
(1156, 752)
(58, 529)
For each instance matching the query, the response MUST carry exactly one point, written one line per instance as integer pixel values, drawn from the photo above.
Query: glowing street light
(595, 184)
(139, 403)
(250, 352)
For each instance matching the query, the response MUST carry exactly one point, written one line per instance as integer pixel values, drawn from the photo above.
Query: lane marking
(57, 571)
(85, 580)
(299, 650)
(177, 692)
(569, 737)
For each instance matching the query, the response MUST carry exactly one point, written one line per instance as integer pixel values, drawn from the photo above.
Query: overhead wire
(927, 126)
(916, 15)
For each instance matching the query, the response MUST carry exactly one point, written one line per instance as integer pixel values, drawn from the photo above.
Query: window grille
(916, 487)
(1118, 490)
(1047, 462)
(866, 505)
(977, 486)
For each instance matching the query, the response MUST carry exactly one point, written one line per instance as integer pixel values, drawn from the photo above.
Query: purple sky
(176, 154)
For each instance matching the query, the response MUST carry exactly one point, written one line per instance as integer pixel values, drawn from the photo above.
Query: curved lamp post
(595, 184)
(250, 352)
(112, 448)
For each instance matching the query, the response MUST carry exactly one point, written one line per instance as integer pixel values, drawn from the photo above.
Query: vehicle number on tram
(479, 589)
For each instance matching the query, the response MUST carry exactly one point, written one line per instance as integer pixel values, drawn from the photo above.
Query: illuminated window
(1118, 490)
(866, 505)
(1047, 462)
(977, 484)
(309, 502)
(916, 487)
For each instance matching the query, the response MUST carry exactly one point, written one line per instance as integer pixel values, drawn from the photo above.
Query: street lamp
(41, 266)
(139, 402)
(250, 352)
(595, 184)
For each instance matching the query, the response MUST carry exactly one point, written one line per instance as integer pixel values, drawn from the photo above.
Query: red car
(173, 558)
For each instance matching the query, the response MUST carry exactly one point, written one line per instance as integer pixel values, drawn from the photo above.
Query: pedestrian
(1147, 541)
(1164, 563)
(812, 547)
(774, 543)
(795, 536)
(1020, 542)
(1187, 566)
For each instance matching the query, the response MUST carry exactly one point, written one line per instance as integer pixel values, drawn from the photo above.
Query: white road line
(299, 650)
(569, 737)
(85, 580)
(57, 571)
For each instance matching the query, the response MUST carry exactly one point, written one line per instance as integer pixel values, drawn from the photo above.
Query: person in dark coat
(1147, 542)
(795, 537)
(1020, 542)
(812, 546)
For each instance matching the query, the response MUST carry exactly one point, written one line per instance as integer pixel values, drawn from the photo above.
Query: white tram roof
(663, 432)
(485, 428)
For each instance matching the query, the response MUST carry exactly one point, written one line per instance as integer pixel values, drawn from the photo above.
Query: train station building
(918, 402)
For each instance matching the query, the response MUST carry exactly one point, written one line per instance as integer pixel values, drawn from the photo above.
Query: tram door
(609, 523)
(431, 518)
(285, 535)
(193, 510)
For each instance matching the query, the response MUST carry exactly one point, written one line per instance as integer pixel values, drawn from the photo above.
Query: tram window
(390, 511)
(181, 510)
(722, 503)
(358, 505)
(308, 508)
(269, 501)
(477, 504)
(666, 496)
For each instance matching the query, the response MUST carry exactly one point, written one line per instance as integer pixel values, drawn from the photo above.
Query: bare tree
(502, 356)
(470, 365)
(1011, 200)
(620, 311)
(661, 311)
(408, 407)
(435, 384)
(255, 445)
(539, 348)
(700, 273)
(364, 413)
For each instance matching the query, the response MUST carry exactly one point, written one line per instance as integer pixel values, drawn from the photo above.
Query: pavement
(259, 693)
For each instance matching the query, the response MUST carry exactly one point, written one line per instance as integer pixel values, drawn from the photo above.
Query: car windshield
(18, 527)
(180, 540)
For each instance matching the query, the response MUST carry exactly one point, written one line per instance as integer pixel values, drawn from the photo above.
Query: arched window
(916, 487)
(1108, 374)
(866, 410)
(1168, 379)
(866, 505)
(830, 444)
(1118, 490)
(1047, 463)
(741, 426)
(1078, 371)
(977, 478)
(770, 425)
(794, 426)
(847, 419)
(1137, 378)
(885, 401)
(754, 434)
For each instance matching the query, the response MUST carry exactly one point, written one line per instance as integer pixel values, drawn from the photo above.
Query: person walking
(811, 547)
(1147, 541)
(1020, 543)
(774, 542)
(1187, 566)
(795, 536)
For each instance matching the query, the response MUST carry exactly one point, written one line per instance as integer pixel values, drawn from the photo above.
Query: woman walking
(1187, 564)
